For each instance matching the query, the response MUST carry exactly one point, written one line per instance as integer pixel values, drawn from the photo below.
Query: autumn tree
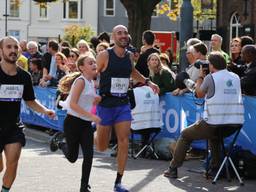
(203, 9)
(73, 33)
(139, 17)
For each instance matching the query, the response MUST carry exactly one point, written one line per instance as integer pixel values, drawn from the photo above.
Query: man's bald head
(119, 27)
(120, 36)
(2, 41)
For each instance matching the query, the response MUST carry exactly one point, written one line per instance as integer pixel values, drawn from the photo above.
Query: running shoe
(120, 188)
(171, 173)
(55, 141)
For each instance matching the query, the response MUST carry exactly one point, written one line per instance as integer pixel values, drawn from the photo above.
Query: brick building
(236, 18)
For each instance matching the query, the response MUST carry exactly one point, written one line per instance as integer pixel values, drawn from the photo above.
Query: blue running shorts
(113, 115)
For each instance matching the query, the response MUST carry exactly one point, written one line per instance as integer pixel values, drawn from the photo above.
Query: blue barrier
(177, 112)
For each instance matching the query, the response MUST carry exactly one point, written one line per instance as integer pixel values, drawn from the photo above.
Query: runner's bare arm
(102, 61)
(38, 107)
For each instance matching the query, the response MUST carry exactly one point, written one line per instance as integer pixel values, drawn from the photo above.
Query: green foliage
(74, 33)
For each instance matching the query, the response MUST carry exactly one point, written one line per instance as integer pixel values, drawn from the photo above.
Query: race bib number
(119, 86)
(11, 92)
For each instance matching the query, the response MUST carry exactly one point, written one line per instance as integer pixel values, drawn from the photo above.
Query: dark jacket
(142, 65)
(248, 80)
(164, 81)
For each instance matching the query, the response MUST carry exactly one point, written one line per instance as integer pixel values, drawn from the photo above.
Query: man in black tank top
(116, 67)
(15, 85)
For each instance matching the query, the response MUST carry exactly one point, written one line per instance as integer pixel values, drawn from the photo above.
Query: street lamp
(6, 18)
(186, 30)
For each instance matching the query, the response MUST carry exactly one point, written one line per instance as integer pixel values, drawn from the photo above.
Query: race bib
(119, 86)
(11, 92)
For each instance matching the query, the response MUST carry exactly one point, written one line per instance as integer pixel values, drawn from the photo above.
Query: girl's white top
(85, 100)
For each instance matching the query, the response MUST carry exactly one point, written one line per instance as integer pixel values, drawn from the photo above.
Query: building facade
(236, 18)
(112, 12)
(32, 21)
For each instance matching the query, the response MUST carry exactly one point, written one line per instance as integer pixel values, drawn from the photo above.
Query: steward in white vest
(226, 105)
(223, 105)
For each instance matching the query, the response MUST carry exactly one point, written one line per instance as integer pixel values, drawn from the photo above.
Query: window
(234, 25)
(72, 9)
(14, 33)
(109, 7)
(43, 10)
(14, 8)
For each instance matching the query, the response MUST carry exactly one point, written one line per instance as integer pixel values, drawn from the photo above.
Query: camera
(179, 81)
(190, 84)
(204, 64)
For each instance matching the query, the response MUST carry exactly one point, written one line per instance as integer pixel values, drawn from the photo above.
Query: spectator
(246, 40)
(65, 51)
(62, 69)
(148, 42)
(191, 71)
(169, 52)
(24, 50)
(83, 47)
(23, 62)
(49, 63)
(74, 54)
(249, 76)
(181, 88)
(101, 47)
(237, 62)
(160, 74)
(235, 50)
(165, 60)
(65, 44)
(104, 37)
(35, 69)
(94, 42)
(33, 50)
(200, 53)
(216, 43)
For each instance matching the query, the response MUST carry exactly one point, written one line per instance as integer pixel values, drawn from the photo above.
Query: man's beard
(122, 44)
(8, 60)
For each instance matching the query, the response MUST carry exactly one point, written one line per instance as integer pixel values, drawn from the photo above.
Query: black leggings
(78, 131)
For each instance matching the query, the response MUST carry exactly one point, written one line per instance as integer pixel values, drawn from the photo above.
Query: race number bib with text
(11, 92)
(119, 86)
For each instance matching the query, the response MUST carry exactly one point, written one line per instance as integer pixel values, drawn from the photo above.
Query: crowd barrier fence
(177, 113)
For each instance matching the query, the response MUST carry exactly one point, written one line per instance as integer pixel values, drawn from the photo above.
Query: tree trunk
(139, 17)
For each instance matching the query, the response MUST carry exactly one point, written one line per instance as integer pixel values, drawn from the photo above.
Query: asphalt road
(43, 171)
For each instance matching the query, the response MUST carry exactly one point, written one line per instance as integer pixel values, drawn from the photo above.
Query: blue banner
(177, 112)
(181, 111)
(47, 97)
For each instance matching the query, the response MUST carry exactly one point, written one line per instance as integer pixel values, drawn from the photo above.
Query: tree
(203, 9)
(73, 33)
(139, 17)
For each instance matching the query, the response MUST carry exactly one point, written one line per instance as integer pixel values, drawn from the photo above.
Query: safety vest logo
(229, 83)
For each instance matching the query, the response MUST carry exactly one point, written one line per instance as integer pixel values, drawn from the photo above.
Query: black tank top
(118, 67)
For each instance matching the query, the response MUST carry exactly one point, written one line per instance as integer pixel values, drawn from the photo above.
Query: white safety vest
(146, 114)
(85, 100)
(226, 105)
